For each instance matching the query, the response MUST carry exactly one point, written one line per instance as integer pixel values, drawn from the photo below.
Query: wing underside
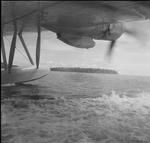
(72, 13)
(76, 23)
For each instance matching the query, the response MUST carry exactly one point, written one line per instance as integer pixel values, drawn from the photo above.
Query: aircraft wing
(72, 13)
(25, 12)
(76, 23)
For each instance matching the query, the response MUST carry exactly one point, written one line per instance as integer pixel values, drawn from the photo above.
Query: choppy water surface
(77, 108)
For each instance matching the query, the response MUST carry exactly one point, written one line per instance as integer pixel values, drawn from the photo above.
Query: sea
(65, 107)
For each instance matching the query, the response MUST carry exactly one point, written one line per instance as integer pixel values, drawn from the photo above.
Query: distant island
(84, 70)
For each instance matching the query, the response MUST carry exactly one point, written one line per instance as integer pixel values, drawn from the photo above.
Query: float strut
(13, 46)
(38, 43)
(24, 46)
(3, 51)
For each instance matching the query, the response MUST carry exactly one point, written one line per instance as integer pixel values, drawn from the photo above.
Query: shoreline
(84, 70)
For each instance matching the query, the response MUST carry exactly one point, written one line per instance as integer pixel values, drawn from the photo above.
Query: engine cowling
(76, 41)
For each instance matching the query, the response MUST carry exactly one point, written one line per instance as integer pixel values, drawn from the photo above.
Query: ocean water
(77, 108)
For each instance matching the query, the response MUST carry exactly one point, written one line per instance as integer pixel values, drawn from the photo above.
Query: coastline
(84, 70)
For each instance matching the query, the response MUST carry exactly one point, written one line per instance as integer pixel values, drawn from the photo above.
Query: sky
(131, 54)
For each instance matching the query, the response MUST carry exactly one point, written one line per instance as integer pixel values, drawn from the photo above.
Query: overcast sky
(131, 55)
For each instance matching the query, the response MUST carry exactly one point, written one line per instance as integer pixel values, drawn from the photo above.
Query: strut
(38, 43)
(13, 46)
(24, 45)
(3, 50)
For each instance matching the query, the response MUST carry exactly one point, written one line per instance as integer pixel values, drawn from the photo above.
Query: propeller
(138, 30)
(110, 49)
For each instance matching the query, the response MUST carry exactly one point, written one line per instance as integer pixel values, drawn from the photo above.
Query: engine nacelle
(76, 41)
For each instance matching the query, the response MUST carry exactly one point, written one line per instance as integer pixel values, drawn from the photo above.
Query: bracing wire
(16, 49)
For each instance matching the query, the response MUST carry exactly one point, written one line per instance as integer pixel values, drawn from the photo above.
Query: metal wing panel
(25, 12)
(124, 9)
(75, 13)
